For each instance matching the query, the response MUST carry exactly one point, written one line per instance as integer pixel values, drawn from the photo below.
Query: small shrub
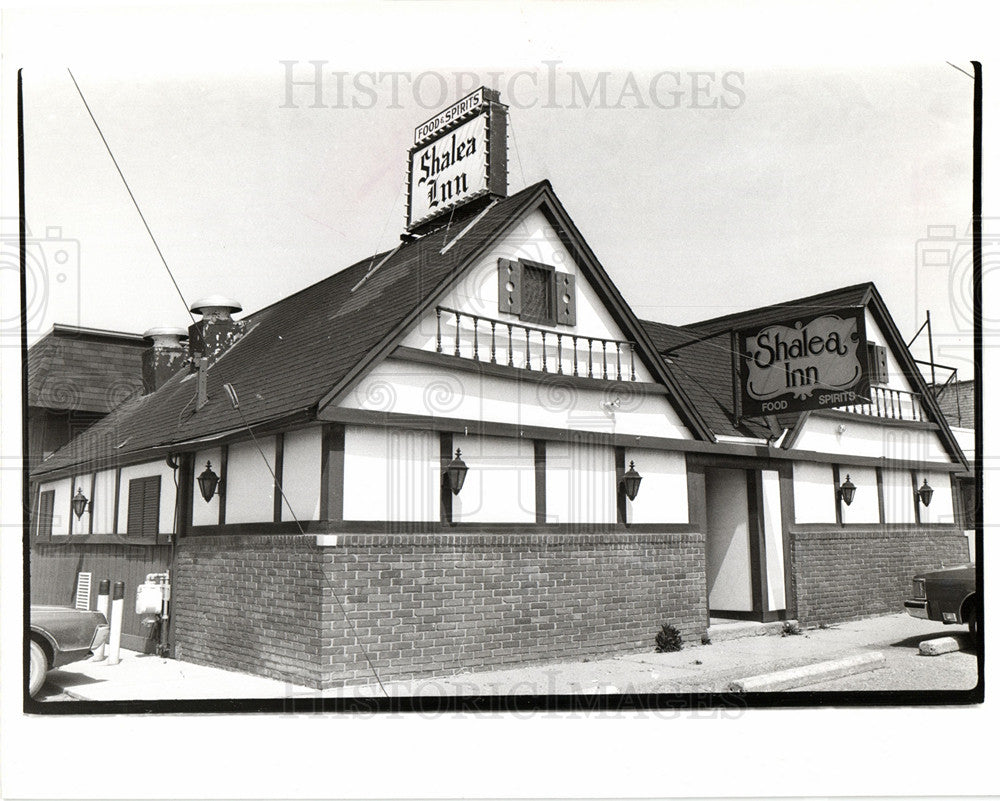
(790, 628)
(668, 639)
(705, 639)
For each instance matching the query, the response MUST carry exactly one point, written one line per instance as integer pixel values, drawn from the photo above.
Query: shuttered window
(43, 515)
(537, 293)
(143, 507)
(878, 364)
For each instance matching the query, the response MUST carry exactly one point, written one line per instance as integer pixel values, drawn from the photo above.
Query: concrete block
(809, 674)
(942, 645)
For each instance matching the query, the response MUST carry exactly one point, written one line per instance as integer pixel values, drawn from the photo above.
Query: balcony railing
(485, 339)
(895, 404)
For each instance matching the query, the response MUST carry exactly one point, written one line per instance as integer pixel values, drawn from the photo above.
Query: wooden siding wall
(54, 568)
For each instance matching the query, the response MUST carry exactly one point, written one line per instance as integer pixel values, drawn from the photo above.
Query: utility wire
(129, 190)
(336, 597)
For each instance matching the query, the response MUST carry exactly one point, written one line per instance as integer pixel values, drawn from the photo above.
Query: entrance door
(744, 562)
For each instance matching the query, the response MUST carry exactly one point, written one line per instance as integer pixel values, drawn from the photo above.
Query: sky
(799, 180)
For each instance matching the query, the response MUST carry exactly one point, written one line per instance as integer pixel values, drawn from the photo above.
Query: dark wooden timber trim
(786, 487)
(697, 511)
(450, 361)
(881, 494)
(447, 443)
(90, 522)
(622, 500)
(185, 489)
(836, 495)
(223, 490)
(817, 528)
(916, 498)
(423, 527)
(279, 467)
(118, 492)
(331, 493)
(114, 539)
(540, 488)
(716, 451)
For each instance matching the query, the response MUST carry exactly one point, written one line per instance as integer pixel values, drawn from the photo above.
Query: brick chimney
(216, 331)
(163, 357)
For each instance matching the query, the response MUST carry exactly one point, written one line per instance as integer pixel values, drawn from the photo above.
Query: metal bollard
(117, 608)
(102, 607)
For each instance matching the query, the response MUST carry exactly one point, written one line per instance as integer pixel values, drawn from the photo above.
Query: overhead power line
(129, 190)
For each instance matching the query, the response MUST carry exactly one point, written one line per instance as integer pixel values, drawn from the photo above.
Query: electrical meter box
(152, 596)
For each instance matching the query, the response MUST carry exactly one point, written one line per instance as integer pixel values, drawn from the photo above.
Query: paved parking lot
(697, 669)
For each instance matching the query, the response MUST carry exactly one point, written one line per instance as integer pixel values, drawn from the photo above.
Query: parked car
(948, 595)
(60, 635)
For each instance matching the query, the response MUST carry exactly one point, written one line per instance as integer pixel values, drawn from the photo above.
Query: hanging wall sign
(460, 155)
(811, 362)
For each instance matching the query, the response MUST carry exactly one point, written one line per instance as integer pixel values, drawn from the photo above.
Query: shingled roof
(84, 369)
(298, 352)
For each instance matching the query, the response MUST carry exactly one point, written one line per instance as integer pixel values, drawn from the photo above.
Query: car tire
(39, 666)
(973, 622)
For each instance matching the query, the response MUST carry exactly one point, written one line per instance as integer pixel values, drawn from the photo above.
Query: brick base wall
(846, 574)
(430, 604)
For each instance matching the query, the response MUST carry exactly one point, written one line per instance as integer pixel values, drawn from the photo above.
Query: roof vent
(216, 331)
(163, 358)
(215, 308)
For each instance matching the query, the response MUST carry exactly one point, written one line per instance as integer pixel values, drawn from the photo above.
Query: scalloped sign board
(459, 156)
(817, 361)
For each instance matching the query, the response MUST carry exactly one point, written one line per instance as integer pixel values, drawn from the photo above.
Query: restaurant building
(468, 452)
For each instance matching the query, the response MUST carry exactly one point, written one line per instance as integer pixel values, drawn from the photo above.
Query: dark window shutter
(46, 503)
(509, 286)
(566, 299)
(143, 506)
(878, 364)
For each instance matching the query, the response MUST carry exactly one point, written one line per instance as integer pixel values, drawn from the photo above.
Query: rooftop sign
(809, 362)
(459, 155)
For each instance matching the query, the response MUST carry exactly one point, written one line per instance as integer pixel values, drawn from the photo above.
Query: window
(143, 507)
(536, 292)
(43, 515)
(878, 364)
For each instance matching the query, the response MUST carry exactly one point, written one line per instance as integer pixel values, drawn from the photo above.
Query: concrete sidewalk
(701, 668)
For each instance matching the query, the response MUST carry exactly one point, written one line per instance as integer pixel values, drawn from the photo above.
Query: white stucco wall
(941, 509)
(63, 488)
(205, 513)
(812, 493)
(866, 437)
(249, 490)
(301, 473)
(407, 387)
(168, 493)
(500, 484)
(103, 502)
(864, 507)
(774, 549)
(898, 488)
(391, 474)
(580, 483)
(663, 496)
(897, 378)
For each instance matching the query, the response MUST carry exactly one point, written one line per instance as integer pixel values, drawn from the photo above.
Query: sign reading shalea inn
(805, 363)
(459, 156)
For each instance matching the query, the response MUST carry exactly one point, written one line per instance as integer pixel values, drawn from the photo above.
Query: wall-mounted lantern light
(208, 482)
(630, 481)
(455, 472)
(80, 503)
(847, 490)
(925, 493)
